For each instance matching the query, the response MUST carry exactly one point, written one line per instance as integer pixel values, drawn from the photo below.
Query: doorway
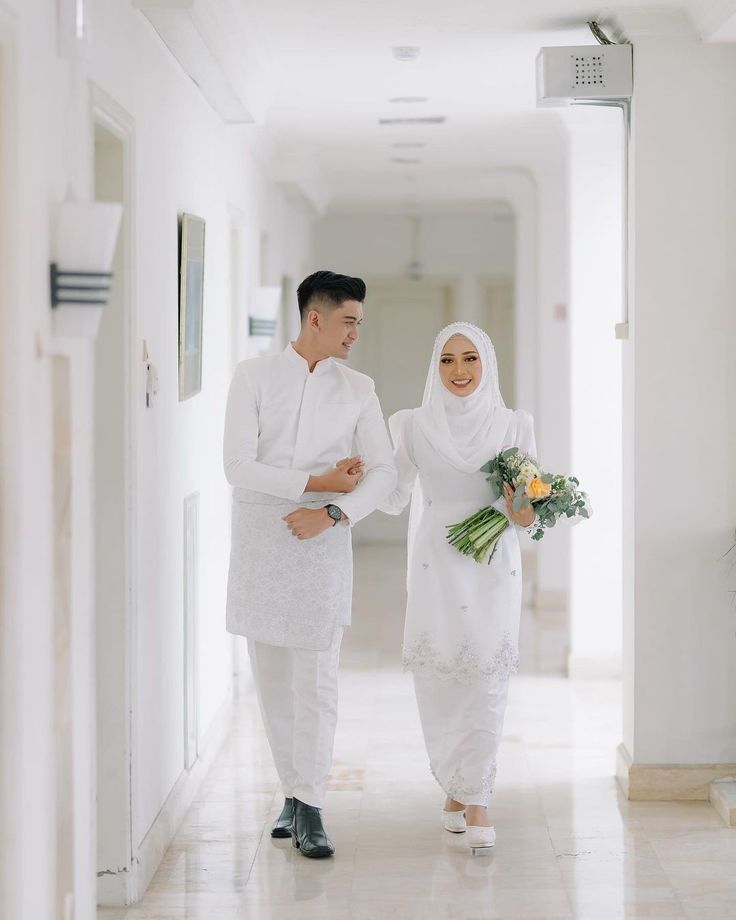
(113, 528)
(399, 311)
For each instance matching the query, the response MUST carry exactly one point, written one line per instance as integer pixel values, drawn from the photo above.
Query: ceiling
(334, 76)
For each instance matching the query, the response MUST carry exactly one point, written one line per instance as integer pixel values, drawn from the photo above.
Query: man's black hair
(328, 289)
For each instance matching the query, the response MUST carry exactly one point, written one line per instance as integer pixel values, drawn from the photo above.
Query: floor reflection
(569, 844)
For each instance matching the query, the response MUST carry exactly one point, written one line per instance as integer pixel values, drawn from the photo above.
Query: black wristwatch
(335, 513)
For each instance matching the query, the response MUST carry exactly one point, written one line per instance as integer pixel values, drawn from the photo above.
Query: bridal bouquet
(551, 497)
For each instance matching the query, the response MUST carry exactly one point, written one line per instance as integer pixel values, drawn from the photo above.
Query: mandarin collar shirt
(284, 423)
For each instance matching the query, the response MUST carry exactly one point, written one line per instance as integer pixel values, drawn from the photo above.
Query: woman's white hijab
(467, 431)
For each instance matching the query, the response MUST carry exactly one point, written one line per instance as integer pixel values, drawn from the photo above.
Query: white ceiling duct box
(216, 43)
(567, 74)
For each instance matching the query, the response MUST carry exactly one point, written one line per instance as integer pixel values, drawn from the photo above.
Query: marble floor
(569, 845)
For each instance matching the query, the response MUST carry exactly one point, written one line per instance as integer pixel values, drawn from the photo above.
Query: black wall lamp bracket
(79, 288)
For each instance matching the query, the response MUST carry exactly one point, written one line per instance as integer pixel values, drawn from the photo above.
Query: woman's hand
(353, 465)
(525, 517)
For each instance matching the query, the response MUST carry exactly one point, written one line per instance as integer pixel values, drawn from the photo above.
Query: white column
(552, 359)
(679, 378)
(596, 197)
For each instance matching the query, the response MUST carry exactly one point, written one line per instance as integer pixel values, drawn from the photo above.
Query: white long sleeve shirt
(284, 424)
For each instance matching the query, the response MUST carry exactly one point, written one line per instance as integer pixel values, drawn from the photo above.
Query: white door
(402, 319)
(497, 310)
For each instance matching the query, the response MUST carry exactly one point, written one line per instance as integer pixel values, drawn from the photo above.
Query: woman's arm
(379, 477)
(400, 427)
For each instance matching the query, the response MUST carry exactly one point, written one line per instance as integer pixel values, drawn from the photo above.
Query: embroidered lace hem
(464, 665)
(460, 789)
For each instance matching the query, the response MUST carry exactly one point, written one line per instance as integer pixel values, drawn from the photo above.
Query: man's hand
(525, 517)
(306, 523)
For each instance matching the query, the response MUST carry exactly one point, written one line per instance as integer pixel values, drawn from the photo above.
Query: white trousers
(297, 693)
(462, 726)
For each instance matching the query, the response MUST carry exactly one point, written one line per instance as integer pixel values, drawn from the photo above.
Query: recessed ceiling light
(409, 99)
(406, 52)
(418, 120)
(406, 161)
(408, 145)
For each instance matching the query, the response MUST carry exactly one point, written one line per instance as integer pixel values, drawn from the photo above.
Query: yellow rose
(538, 489)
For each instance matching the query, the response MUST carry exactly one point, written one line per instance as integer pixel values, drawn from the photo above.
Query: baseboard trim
(163, 830)
(723, 799)
(654, 782)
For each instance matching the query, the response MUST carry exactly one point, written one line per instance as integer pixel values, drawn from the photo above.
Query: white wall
(28, 832)
(680, 406)
(596, 195)
(185, 159)
(380, 245)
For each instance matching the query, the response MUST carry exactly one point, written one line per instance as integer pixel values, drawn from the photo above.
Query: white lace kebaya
(461, 636)
(462, 619)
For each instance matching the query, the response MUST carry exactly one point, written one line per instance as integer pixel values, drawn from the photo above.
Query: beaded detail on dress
(464, 664)
(459, 789)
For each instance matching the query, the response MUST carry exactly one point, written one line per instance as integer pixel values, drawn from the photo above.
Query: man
(290, 425)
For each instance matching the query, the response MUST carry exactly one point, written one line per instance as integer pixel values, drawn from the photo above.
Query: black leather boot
(308, 833)
(282, 825)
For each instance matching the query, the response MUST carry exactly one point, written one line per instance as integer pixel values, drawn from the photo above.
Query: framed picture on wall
(191, 290)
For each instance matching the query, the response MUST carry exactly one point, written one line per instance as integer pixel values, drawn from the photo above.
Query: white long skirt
(462, 725)
(283, 591)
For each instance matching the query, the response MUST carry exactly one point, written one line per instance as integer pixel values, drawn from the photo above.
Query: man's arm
(240, 447)
(374, 447)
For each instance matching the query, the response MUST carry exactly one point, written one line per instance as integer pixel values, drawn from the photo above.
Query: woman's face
(460, 367)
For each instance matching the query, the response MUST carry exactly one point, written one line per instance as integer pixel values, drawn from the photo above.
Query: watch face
(334, 512)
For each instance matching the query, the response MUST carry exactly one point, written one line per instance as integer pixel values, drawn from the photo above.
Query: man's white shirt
(284, 424)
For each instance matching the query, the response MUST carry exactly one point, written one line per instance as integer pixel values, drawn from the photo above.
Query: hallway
(569, 844)
(171, 171)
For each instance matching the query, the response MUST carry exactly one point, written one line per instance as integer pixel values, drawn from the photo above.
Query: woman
(462, 618)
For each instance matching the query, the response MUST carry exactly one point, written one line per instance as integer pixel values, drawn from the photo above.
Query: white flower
(528, 471)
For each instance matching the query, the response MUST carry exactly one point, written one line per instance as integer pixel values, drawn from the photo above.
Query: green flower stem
(478, 535)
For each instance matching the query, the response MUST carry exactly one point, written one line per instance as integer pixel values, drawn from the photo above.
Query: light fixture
(418, 120)
(83, 246)
(73, 28)
(407, 100)
(263, 318)
(414, 268)
(406, 52)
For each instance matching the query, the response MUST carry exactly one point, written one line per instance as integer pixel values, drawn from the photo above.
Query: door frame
(121, 888)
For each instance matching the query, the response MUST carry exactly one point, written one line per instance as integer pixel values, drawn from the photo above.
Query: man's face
(339, 328)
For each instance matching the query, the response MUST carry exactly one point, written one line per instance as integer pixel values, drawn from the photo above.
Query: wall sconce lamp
(83, 248)
(263, 318)
(79, 287)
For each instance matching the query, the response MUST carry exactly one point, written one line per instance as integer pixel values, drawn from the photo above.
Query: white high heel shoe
(480, 840)
(453, 821)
